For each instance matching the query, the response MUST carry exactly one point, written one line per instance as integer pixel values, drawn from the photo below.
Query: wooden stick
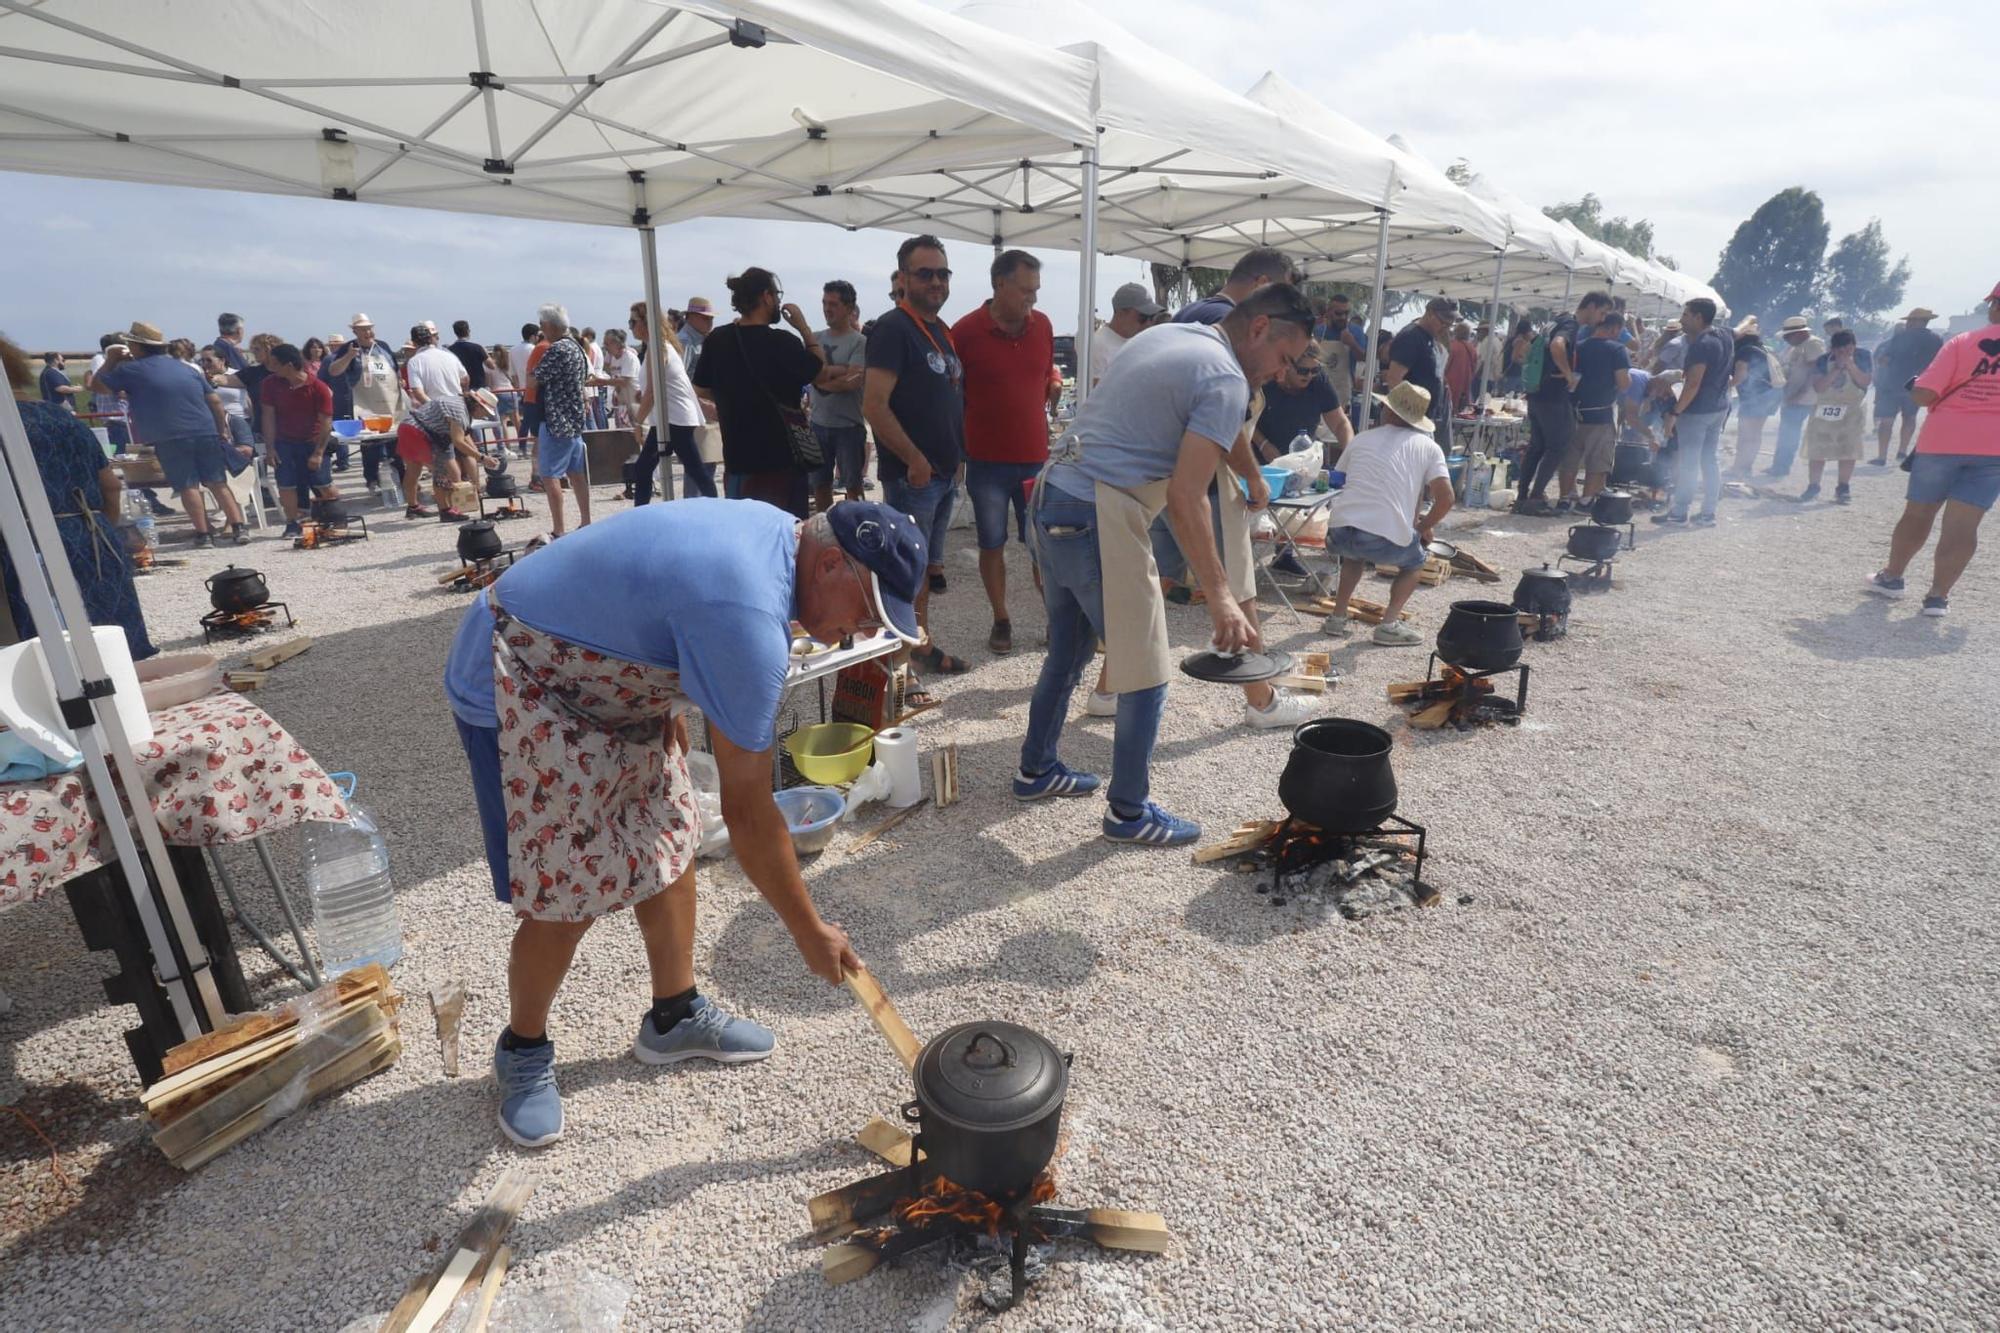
(248, 1095)
(496, 1272)
(284, 652)
(480, 1239)
(378, 1054)
(1246, 837)
(1433, 716)
(894, 819)
(241, 1029)
(887, 1021)
(462, 572)
(886, 1141)
(841, 1212)
(1117, 1229)
(844, 1263)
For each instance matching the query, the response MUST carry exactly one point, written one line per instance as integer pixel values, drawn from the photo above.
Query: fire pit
(314, 533)
(243, 623)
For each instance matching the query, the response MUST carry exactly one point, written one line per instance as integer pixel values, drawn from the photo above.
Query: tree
(1460, 173)
(1633, 236)
(1772, 265)
(1859, 281)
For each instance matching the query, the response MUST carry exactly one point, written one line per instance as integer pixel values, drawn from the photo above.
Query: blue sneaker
(1882, 584)
(1058, 781)
(1936, 606)
(707, 1033)
(530, 1107)
(1284, 562)
(1154, 827)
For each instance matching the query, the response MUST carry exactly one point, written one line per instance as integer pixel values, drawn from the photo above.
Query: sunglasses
(929, 274)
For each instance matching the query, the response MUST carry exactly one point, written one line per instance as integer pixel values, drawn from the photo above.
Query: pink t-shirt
(1966, 378)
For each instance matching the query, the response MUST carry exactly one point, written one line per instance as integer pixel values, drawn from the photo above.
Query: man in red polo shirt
(1012, 387)
(297, 412)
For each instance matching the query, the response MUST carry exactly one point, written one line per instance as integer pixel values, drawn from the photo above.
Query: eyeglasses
(929, 274)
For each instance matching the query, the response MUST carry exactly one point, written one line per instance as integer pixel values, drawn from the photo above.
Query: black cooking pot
(235, 590)
(1613, 508)
(1481, 636)
(329, 513)
(1543, 592)
(989, 1106)
(1338, 776)
(1588, 541)
(1631, 465)
(478, 540)
(500, 486)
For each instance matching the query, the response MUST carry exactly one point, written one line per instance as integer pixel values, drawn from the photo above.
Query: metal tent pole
(656, 356)
(1493, 306)
(1569, 284)
(1380, 298)
(90, 709)
(1086, 281)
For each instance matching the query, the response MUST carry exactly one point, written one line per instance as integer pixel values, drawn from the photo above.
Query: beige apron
(1135, 610)
(1238, 556)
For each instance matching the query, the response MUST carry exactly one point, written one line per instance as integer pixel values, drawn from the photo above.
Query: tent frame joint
(485, 80)
(497, 166)
(76, 711)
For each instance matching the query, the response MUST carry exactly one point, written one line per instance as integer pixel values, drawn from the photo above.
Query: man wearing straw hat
(181, 417)
(1802, 350)
(1907, 354)
(1378, 518)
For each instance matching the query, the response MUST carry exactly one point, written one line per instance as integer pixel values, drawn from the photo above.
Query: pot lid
(990, 1075)
(1245, 668)
(234, 575)
(1545, 572)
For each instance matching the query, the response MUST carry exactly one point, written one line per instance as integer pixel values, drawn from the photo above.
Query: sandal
(937, 661)
(915, 696)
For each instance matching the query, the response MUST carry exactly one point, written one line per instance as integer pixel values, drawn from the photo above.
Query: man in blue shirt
(1696, 421)
(696, 599)
(1604, 371)
(55, 384)
(175, 412)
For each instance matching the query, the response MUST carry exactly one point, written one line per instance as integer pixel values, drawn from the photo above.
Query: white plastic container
(1500, 499)
(354, 903)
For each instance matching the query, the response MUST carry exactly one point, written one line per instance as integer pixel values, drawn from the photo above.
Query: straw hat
(1412, 403)
(1922, 312)
(1748, 326)
(142, 334)
(1795, 324)
(699, 305)
(361, 322)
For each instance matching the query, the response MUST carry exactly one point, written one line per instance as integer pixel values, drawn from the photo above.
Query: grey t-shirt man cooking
(836, 396)
(1149, 438)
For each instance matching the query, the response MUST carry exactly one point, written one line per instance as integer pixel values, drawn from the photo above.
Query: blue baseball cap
(888, 545)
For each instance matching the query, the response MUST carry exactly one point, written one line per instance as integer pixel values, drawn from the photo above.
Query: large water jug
(354, 904)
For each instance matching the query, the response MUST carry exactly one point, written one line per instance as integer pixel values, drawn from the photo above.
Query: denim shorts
(190, 461)
(557, 455)
(1892, 401)
(292, 469)
(992, 488)
(1355, 544)
(929, 507)
(845, 449)
(1972, 479)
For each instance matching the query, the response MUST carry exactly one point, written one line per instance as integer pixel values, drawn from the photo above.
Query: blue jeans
(1699, 438)
(1791, 431)
(1073, 593)
(929, 507)
(846, 450)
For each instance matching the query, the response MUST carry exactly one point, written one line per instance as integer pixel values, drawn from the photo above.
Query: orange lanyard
(948, 351)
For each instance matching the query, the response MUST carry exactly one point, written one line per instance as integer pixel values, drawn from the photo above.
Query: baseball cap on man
(142, 334)
(888, 545)
(1134, 296)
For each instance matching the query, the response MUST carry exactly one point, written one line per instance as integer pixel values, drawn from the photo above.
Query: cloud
(63, 222)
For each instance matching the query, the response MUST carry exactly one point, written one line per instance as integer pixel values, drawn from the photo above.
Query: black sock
(671, 1009)
(511, 1042)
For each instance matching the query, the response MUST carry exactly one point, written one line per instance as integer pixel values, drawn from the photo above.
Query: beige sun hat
(1412, 403)
(142, 334)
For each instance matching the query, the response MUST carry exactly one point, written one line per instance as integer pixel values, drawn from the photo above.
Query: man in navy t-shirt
(1697, 418)
(1603, 371)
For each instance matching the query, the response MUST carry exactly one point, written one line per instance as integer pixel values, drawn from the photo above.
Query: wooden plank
(887, 1021)
(1118, 1229)
(886, 1141)
(482, 1237)
(376, 1055)
(240, 1029)
(1433, 716)
(840, 1212)
(489, 1287)
(1245, 838)
(267, 658)
(894, 819)
(245, 1097)
(844, 1263)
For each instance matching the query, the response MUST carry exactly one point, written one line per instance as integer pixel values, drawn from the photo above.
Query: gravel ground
(1700, 1035)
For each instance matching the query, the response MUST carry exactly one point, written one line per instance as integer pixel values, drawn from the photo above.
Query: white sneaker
(1286, 710)
(1101, 705)
(1338, 626)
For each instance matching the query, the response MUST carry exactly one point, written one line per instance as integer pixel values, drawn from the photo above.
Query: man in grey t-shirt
(836, 397)
(1151, 436)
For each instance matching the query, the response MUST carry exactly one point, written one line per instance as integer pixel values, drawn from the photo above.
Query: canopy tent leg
(656, 356)
(1569, 285)
(1381, 302)
(1086, 278)
(90, 706)
(1493, 306)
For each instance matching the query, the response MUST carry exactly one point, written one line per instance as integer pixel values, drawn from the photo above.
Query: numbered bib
(1830, 411)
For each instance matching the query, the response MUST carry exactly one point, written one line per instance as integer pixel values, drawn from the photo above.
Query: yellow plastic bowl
(831, 753)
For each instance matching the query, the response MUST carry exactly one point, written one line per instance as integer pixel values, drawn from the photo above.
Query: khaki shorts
(1595, 446)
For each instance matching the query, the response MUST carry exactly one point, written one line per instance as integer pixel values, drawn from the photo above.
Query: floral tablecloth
(218, 770)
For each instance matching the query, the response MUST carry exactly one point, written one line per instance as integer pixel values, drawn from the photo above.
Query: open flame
(308, 537)
(947, 1201)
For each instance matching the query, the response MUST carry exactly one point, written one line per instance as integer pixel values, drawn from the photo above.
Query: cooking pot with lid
(235, 590)
(1543, 592)
(1338, 776)
(1613, 508)
(478, 540)
(1631, 465)
(1482, 636)
(1588, 541)
(501, 486)
(989, 1105)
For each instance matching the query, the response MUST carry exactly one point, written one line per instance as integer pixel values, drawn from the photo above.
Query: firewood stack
(226, 1085)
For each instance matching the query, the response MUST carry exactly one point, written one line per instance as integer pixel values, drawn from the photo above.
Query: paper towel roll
(897, 748)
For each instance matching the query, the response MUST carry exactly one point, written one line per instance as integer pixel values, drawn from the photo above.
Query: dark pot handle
(1006, 1051)
(913, 1112)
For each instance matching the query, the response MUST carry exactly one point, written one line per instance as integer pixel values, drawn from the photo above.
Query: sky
(1689, 114)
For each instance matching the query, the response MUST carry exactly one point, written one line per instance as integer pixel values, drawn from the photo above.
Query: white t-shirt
(1105, 344)
(499, 380)
(683, 408)
(517, 362)
(437, 372)
(595, 356)
(1387, 470)
(624, 367)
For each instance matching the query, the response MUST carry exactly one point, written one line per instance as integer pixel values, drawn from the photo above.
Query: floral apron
(600, 809)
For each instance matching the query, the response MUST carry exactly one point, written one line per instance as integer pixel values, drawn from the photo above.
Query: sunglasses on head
(929, 274)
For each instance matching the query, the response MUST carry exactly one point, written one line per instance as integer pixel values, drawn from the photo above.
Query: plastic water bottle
(1301, 442)
(354, 904)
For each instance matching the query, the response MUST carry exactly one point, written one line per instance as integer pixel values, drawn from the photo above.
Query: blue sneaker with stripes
(1058, 781)
(1153, 827)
